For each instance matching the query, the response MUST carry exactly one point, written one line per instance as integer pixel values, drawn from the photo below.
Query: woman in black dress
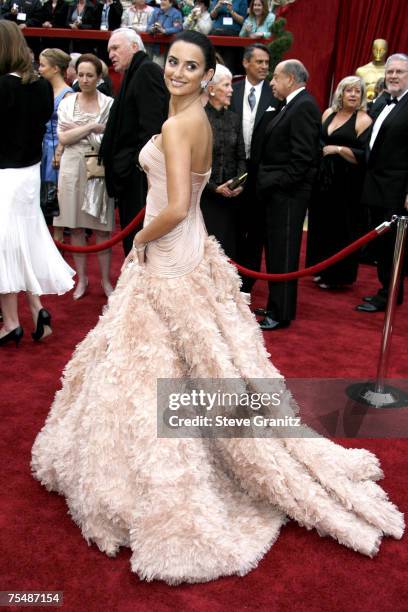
(335, 215)
(219, 203)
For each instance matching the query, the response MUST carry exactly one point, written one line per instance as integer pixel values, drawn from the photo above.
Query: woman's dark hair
(14, 53)
(200, 40)
(92, 59)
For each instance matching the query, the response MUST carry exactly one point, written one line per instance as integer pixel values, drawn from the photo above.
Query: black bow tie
(392, 101)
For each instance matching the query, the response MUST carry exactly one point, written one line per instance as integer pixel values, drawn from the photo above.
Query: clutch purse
(238, 181)
(94, 167)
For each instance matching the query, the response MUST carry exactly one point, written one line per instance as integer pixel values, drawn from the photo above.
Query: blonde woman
(335, 215)
(53, 66)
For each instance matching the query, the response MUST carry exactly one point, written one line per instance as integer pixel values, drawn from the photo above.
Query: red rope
(94, 248)
(312, 269)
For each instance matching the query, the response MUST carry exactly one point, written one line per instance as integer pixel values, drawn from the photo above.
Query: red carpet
(43, 549)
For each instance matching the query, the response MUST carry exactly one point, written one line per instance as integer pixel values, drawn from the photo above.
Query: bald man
(286, 146)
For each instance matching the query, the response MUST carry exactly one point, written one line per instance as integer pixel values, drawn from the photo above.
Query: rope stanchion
(384, 227)
(107, 244)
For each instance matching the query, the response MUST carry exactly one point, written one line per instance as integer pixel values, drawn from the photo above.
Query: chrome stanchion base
(366, 393)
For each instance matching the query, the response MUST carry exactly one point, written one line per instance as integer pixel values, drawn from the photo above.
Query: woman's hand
(331, 150)
(225, 191)
(97, 128)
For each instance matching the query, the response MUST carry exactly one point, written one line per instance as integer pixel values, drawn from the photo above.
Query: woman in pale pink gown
(191, 509)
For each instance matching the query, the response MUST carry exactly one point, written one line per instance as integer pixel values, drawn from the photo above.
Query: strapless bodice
(181, 250)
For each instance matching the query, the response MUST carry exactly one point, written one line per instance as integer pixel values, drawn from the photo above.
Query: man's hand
(406, 203)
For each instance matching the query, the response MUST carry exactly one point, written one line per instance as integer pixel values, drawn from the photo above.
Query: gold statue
(370, 73)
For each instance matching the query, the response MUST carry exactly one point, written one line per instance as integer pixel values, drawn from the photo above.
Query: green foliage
(282, 42)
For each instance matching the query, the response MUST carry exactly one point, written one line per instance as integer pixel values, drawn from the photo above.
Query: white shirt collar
(294, 94)
(248, 86)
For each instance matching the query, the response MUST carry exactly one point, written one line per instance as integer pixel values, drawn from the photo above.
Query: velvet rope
(317, 267)
(107, 244)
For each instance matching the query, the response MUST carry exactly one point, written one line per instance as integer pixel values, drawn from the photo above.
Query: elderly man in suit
(251, 97)
(288, 150)
(385, 189)
(138, 113)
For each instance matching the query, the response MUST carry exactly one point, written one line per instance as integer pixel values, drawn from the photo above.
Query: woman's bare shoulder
(186, 127)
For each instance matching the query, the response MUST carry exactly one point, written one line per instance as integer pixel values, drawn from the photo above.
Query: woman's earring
(204, 84)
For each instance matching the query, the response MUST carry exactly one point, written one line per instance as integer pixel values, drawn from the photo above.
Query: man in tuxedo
(385, 189)
(251, 97)
(138, 113)
(287, 147)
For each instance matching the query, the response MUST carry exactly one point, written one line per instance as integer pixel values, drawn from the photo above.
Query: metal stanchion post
(378, 394)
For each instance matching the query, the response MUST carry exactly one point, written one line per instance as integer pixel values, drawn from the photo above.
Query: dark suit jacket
(114, 16)
(267, 99)
(374, 108)
(138, 113)
(386, 182)
(58, 17)
(289, 151)
(88, 16)
(32, 9)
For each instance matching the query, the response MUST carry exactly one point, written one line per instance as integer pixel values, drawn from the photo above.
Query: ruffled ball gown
(190, 509)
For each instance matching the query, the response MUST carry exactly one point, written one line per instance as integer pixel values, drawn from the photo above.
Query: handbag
(49, 192)
(49, 199)
(94, 165)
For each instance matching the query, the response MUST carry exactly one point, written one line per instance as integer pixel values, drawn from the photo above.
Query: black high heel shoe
(14, 336)
(43, 325)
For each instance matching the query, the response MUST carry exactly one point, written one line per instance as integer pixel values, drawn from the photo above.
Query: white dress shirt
(248, 116)
(381, 118)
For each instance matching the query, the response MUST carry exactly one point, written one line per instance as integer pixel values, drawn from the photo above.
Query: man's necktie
(392, 101)
(252, 99)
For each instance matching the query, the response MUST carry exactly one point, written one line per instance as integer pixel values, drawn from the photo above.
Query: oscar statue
(374, 70)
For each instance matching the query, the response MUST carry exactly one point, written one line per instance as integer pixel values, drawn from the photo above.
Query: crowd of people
(156, 16)
(275, 159)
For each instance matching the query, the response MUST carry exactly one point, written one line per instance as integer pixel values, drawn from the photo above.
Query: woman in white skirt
(29, 260)
(83, 200)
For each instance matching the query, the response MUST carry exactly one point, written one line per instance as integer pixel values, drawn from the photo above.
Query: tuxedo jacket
(386, 181)
(266, 100)
(139, 111)
(287, 147)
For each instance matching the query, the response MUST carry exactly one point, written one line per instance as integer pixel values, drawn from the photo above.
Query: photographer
(199, 19)
(228, 16)
(165, 20)
(26, 14)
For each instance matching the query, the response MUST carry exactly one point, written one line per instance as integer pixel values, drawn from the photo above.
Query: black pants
(220, 217)
(383, 249)
(284, 218)
(250, 235)
(130, 203)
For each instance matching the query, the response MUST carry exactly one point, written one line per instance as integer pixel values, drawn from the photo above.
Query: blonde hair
(57, 58)
(337, 100)
(14, 52)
